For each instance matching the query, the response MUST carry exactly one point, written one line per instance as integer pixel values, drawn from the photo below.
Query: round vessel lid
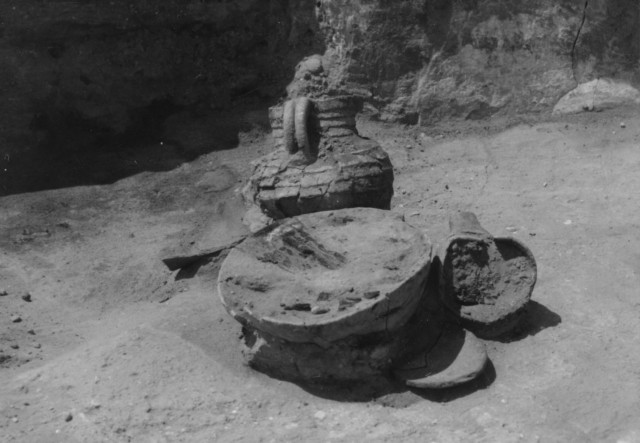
(325, 276)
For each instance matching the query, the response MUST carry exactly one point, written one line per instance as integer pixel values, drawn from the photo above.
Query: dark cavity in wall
(88, 83)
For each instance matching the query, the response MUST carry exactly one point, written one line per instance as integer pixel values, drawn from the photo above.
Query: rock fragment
(601, 93)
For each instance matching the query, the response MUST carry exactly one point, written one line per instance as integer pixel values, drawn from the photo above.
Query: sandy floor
(114, 346)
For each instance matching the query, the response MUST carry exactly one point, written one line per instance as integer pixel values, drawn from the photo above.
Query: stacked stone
(338, 169)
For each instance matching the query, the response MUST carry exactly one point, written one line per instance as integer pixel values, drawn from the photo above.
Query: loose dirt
(116, 347)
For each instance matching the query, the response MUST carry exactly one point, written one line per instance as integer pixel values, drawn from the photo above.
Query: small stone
(14, 346)
(14, 419)
(16, 319)
(313, 64)
(37, 345)
(3, 293)
(545, 184)
(320, 415)
(31, 331)
(26, 297)
(371, 294)
(68, 417)
(623, 125)
(94, 405)
(511, 228)
(319, 310)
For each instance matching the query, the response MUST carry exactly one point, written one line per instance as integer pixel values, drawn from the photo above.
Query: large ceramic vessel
(320, 162)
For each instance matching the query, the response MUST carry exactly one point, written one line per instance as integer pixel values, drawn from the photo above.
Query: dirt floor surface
(113, 346)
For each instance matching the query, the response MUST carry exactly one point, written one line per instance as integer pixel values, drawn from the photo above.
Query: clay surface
(487, 282)
(325, 276)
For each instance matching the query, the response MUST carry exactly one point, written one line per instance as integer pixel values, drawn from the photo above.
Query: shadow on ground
(536, 318)
(394, 393)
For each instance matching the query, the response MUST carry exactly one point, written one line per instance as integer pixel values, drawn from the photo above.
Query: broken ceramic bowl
(486, 282)
(456, 358)
(320, 162)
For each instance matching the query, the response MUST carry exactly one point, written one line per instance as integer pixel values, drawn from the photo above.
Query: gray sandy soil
(114, 346)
